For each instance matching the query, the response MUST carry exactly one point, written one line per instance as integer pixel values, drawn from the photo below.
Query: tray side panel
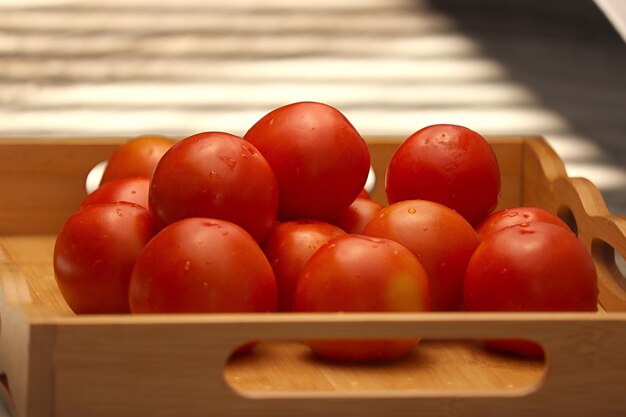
(98, 363)
(44, 181)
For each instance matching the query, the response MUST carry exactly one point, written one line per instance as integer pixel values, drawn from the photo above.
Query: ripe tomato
(354, 218)
(288, 247)
(201, 265)
(530, 267)
(513, 216)
(441, 239)
(129, 189)
(359, 273)
(136, 158)
(448, 164)
(364, 194)
(215, 175)
(94, 256)
(321, 162)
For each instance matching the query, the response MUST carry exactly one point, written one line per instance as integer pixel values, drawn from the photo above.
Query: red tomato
(364, 194)
(448, 164)
(354, 218)
(530, 267)
(358, 273)
(441, 239)
(513, 216)
(288, 247)
(320, 160)
(201, 265)
(94, 256)
(136, 158)
(215, 175)
(129, 189)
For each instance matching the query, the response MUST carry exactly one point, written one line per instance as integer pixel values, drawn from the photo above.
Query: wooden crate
(57, 364)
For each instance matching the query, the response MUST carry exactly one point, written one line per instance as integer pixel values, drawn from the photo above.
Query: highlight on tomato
(215, 175)
(356, 273)
(94, 255)
(288, 248)
(448, 164)
(530, 267)
(136, 158)
(320, 160)
(439, 237)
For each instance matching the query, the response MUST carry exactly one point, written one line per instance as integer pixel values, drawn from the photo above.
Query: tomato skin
(215, 175)
(356, 273)
(530, 267)
(94, 255)
(288, 248)
(136, 158)
(448, 164)
(516, 215)
(130, 189)
(320, 160)
(364, 194)
(439, 237)
(355, 218)
(201, 265)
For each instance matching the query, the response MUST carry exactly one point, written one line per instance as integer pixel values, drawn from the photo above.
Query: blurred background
(73, 68)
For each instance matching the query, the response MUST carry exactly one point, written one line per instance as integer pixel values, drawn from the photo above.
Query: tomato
(354, 218)
(201, 265)
(288, 247)
(215, 175)
(355, 273)
(364, 194)
(94, 255)
(129, 189)
(320, 160)
(136, 158)
(448, 164)
(530, 267)
(513, 216)
(441, 239)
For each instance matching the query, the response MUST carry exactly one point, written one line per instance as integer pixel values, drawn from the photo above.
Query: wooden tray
(57, 364)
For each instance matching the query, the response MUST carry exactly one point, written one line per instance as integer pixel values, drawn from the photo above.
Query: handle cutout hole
(566, 214)
(457, 367)
(609, 262)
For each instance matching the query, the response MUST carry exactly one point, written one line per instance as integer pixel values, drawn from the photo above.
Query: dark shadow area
(567, 53)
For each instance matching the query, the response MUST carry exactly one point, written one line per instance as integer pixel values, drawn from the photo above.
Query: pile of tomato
(278, 220)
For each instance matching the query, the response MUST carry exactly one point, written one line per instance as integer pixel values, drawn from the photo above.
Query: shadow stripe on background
(72, 68)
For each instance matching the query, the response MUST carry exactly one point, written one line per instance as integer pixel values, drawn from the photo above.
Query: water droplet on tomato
(411, 210)
(187, 265)
(213, 174)
(230, 162)
(224, 233)
(524, 224)
(271, 122)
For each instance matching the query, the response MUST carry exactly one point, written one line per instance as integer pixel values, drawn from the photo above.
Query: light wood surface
(59, 364)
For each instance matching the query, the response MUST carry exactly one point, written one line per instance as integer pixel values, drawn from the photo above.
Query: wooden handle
(581, 349)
